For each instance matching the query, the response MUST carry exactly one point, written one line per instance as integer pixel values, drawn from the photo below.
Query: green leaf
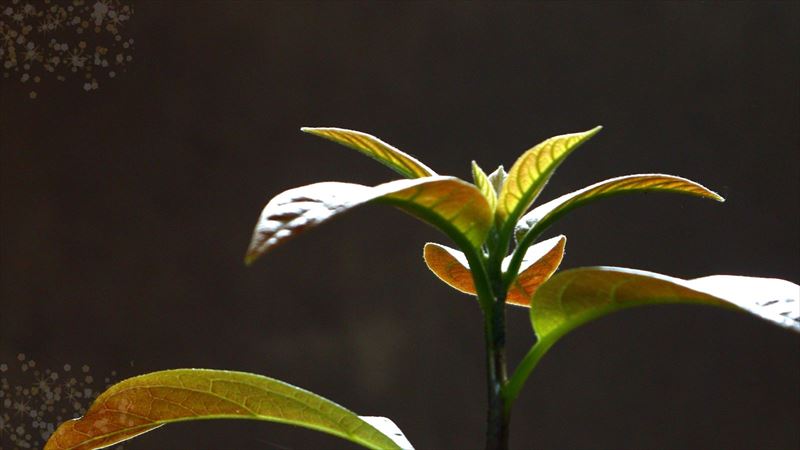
(533, 170)
(402, 163)
(140, 404)
(484, 185)
(544, 215)
(452, 205)
(574, 297)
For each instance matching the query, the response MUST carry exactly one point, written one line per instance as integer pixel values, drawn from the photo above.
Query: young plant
(485, 220)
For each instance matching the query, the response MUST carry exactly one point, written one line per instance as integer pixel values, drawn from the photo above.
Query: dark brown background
(126, 211)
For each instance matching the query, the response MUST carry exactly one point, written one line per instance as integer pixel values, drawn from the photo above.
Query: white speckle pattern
(76, 39)
(34, 401)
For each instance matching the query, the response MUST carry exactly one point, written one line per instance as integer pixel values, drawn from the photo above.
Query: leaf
(540, 262)
(576, 296)
(389, 428)
(544, 215)
(454, 206)
(533, 170)
(140, 404)
(450, 265)
(484, 185)
(400, 162)
(498, 178)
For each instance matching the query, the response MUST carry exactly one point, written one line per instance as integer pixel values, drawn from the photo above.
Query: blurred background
(128, 201)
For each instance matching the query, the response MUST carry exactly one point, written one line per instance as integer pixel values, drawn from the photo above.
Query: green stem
(498, 412)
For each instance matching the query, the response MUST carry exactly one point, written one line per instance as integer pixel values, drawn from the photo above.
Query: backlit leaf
(143, 403)
(484, 185)
(402, 163)
(533, 170)
(544, 215)
(576, 296)
(540, 262)
(452, 205)
(450, 265)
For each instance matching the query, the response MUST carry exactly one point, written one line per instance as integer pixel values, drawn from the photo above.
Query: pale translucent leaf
(533, 170)
(498, 178)
(484, 185)
(545, 214)
(401, 162)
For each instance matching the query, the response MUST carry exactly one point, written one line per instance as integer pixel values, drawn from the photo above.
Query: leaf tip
(250, 258)
(594, 130)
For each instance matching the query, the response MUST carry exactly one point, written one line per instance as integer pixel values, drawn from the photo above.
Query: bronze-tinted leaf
(540, 262)
(143, 403)
(484, 185)
(454, 206)
(402, 163)
(450, 265)
(542, 216)
(533, 170)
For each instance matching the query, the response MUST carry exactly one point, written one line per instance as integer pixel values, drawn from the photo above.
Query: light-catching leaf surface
(402, 163)
(484, 185)
(498, 178)
(143, 403)
(544, 215)
(576, 296)
(540, 262)
(533, 170)
(454, 206)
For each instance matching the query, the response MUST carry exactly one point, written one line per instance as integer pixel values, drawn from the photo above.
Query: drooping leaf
(533, 170)
(540, 262)
(454, 206)
(576, 296)
(484, 185)
(498, 178)
(544, 215)
(143, 403)
(400, 162)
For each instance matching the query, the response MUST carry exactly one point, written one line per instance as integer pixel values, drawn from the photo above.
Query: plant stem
(498, 413)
